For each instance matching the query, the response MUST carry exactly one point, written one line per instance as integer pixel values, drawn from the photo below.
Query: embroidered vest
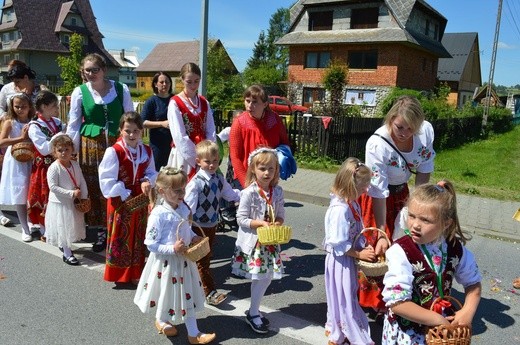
(195, 125)
(125, 173)
(424, 277)
(94, 114)
(49, 133)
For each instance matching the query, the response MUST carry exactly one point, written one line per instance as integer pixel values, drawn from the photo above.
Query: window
(317, 59)
(7, 58)
(364, 18)
(17, 56)
(65, 39)
(73, 21)
(320, 21)
(361, 97)
(11, 36)
(311, 95)
(427, 29)
(362, 59)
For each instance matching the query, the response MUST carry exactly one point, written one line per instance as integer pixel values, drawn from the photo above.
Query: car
(282, 106)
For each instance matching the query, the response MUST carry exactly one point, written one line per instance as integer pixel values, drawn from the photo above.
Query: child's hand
(146, 187)
(461, 317)
(381, 246)
(180, 247)
(77, 193)
(368, 254)
(25, 132)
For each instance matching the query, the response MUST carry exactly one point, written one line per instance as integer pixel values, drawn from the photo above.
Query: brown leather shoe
(167, 329)
(202, 338)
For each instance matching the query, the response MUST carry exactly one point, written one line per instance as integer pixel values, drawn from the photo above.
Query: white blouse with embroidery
(389, 168)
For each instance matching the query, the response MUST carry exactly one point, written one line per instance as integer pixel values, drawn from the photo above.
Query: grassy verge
(488, 168)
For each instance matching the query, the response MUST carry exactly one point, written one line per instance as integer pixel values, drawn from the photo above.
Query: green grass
(489, 168)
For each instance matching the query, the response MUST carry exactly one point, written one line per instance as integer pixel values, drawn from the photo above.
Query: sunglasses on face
(93, 70)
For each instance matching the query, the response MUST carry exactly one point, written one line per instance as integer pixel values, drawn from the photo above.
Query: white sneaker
(26, 238)
(4, 220)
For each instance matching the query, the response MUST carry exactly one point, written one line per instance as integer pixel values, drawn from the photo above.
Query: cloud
(503, 45)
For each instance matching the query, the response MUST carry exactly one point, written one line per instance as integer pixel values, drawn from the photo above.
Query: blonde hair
(409, 108)
(169, 177)
(207, 149)
(11, 114)
(442, 197)
(351, 174)
(262, 157)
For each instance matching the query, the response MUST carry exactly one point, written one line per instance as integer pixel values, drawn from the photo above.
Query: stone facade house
(385, 43)
(37, 32)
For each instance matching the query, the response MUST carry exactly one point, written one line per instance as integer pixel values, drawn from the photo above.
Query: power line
(513, 18)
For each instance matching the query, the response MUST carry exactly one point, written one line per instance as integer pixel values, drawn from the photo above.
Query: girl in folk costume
(63, 222)
(346, 321)
(14, 183)
(170, 285)
(422, 265)
(95, 110)
(260, 263)
(41, 131)
(191, 120)
(126, 171)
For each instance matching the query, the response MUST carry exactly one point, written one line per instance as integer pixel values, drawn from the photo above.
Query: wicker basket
(23, 152)
(448, 334)
(82, 205)
(137, 202)
(274, 234)
(199, 250)
(372, 269)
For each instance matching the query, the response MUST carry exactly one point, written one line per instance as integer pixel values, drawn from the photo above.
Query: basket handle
(191, 222)
(447, 297)
(372, 229)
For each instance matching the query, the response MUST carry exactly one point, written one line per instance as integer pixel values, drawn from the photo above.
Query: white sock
(67, 252)
(21, 212)
(258, 289)
(191, 326)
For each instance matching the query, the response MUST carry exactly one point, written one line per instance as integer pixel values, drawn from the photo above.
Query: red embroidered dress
(41, 131)
(126, 231)
(195, 124)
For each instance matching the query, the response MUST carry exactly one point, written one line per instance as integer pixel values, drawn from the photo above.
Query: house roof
(400, 9)
(460, 46)
(42, 35)
(126, 58)
(170, 56)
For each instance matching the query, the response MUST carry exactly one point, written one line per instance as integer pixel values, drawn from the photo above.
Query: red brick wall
(397, 66)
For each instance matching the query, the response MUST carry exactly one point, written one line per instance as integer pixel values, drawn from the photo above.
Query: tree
(334, 81)
(268, 65)
(224, 88)
(70, 65)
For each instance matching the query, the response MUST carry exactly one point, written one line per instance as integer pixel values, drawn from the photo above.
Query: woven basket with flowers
(373, 269)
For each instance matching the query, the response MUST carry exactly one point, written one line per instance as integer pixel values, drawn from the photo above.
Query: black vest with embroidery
(424, 286)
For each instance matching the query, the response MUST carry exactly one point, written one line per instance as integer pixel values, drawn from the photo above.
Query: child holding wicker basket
(170, 285)
(64, 223)
(346, 321)
(14, 183)
(261, 205)
(421, 268)
(126, 175)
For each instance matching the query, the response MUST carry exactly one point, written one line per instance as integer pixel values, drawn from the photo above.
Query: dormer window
(364, 18)
(319, 21)
(73, 21)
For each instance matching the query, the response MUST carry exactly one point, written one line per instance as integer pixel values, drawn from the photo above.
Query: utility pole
(203, 48)
(492, 69)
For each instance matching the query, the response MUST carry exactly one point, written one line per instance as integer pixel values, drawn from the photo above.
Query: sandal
(167, 328)
(215, 297)
(262, 328)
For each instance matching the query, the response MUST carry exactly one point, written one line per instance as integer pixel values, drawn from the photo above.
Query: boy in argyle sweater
(203, 195)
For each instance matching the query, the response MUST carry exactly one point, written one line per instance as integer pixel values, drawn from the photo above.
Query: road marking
(281, 323)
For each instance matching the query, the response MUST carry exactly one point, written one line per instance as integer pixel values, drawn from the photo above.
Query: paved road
(44, 301)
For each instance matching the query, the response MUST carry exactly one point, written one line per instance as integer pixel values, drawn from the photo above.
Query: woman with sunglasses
(95, 110)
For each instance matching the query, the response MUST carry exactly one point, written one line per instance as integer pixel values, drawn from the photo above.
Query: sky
(140, 25)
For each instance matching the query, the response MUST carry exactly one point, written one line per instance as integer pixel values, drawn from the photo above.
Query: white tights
(258, 289)
(21, 211)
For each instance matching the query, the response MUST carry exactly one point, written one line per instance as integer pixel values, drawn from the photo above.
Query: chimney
(122, 54)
